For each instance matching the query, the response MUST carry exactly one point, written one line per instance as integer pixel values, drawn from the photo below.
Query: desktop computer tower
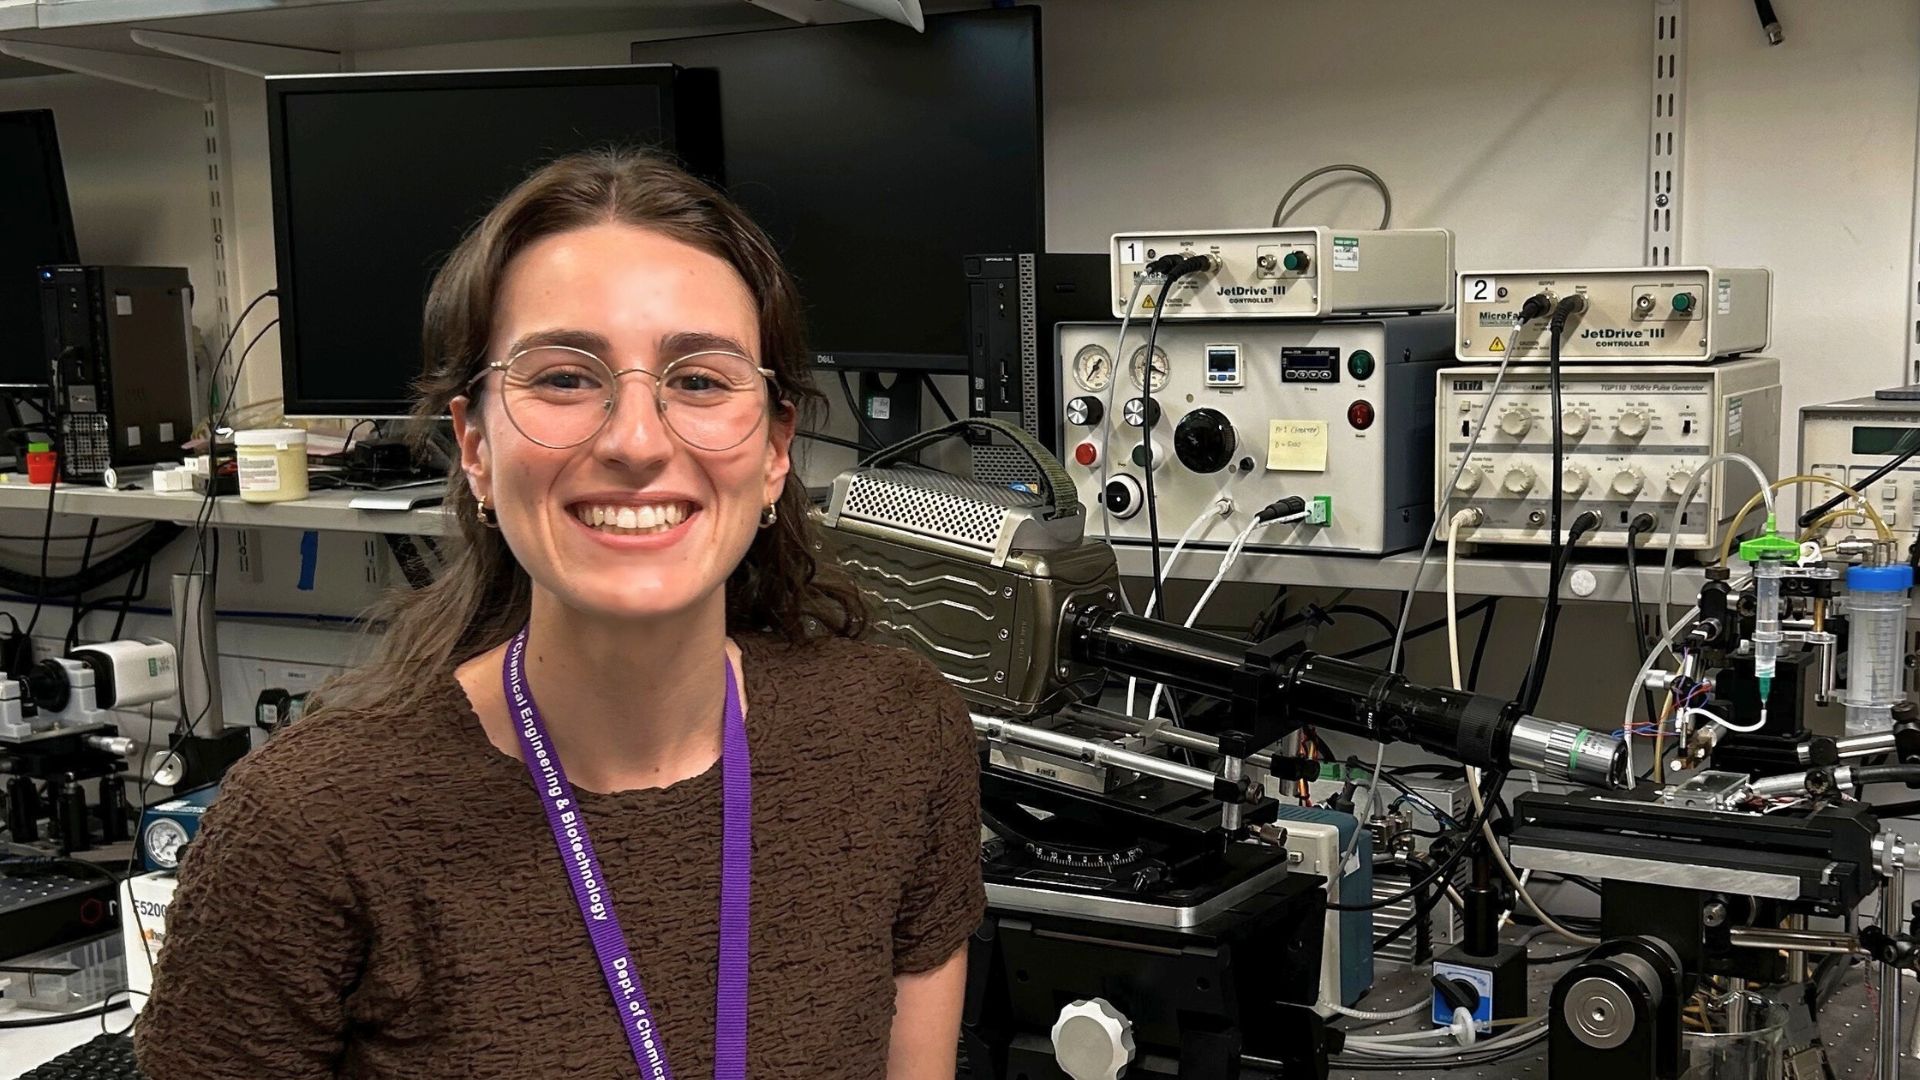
(1013, 302)
(119, 348)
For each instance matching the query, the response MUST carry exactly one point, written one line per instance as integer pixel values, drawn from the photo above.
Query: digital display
(1301, 365)
(1223, 365)
(1884, 440)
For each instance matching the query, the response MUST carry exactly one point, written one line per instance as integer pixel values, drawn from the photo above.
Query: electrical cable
(1218, 509)
(1417, 632)
(1414, 1009)
(1147, 425)
(1641, 524)
(1535, 679)
(1106, 427)
(1473, 775)
(859, 416)
(1686, 498)
(86, 556)
(830, 440)
(1480, 647)
(939, 399)
(1440, 872)
(1386, 197)
(1563, 310)
(1280, 510)
(1459, 518)
(1667, 638)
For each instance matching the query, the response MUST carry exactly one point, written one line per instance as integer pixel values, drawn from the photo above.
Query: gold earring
(770, 515)
(489, 518)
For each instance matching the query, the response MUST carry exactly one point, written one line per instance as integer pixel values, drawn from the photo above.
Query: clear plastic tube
(1876, 638)
(1766, 626)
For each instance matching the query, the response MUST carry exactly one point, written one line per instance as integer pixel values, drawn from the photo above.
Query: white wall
(1519, 125)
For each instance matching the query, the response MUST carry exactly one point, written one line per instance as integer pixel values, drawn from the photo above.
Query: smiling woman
(633, 689)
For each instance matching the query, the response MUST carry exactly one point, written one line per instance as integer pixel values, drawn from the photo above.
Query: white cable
(1700, 713)
(1226, 563)
(1460, 517)
(1221, 507)
(1420, 570)
(1446, 502)
(1673, 527)
(1106, 416)
(1522, 1035)
(1414, 1009)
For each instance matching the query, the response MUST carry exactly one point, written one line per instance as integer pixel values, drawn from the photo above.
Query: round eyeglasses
(559, 396)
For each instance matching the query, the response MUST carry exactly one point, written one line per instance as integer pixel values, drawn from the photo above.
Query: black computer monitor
(376, 178)
(36, 229)
(878, 159)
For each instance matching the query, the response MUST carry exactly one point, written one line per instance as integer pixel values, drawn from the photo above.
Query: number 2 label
(1480, 290)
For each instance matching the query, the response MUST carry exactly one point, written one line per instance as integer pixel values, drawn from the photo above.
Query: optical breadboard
(1631, 437)
(1848, 441)
(1656, 314)
(1291, 273)
(1339, 414)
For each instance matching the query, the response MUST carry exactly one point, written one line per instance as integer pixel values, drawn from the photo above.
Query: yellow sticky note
(1297, 445)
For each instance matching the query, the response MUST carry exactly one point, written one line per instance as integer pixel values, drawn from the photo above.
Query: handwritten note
(1297, 445)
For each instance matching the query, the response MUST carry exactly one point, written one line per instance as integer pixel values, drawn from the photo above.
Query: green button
(1142, 456)
(1296, 261)
(1360, 364)
(1683, 302)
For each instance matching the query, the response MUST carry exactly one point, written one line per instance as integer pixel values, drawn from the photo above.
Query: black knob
(1204, 440)
(1122, 496)
(1140, 412)
(1084, 411)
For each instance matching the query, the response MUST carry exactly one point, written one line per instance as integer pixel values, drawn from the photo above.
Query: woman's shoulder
(335, 756)
(840, 660)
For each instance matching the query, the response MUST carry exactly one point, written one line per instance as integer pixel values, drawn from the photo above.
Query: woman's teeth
(634, 520)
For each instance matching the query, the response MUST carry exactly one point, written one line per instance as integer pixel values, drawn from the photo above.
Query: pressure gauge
(163, 840)
(1093, 368)
(1138, 368)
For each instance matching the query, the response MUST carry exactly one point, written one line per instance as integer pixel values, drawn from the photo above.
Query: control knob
(1092, 1040)
(1633, 423)
(1574, 422)
(1628, 482)
(1204, 440)
(1140, 412)
(1085, 411)
(1677, 482)
(1519, 480)
(1516, 422)
(1122, 497)
(1468, 480)
(1573, 479)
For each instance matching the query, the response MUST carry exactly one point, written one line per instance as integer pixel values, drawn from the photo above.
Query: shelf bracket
(176, 78)
(246, 57)
(1667, 116)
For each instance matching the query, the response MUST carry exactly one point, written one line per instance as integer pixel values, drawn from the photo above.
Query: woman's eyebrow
(687, 342)
(564, 337)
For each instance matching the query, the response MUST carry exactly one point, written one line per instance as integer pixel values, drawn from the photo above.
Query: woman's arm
(926, 1021)
(263, 945)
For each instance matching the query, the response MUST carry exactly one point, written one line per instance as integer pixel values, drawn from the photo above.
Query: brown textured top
(381, 897)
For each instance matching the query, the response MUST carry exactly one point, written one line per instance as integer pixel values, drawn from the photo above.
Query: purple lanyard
(596, 906)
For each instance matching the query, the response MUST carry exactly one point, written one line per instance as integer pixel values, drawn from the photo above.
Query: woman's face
(633, 522)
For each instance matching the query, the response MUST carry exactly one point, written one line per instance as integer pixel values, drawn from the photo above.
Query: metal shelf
(325, 511)
(1475, 575)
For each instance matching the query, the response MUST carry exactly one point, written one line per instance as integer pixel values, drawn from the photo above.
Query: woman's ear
(472, 437)
(779, 450)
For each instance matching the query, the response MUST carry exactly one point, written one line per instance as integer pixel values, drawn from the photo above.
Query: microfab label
(1346, 253)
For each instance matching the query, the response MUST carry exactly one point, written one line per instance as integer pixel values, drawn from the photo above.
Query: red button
(1360, 415)
(1086, 453)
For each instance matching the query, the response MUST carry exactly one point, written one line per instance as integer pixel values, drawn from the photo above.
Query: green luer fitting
(1765, 685)
(1769, 545)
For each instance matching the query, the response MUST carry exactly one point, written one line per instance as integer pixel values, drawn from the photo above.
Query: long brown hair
(483, 596)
